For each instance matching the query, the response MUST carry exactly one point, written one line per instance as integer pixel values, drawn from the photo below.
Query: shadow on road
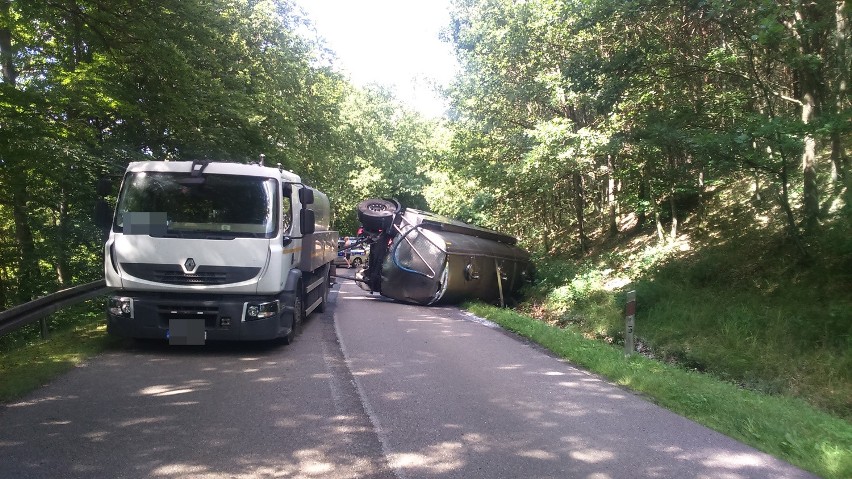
(224, 410)
(457, 398)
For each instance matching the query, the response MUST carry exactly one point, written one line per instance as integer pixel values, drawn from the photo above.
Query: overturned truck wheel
(376, 214)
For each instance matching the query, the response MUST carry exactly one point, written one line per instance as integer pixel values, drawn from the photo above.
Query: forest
(579, 126)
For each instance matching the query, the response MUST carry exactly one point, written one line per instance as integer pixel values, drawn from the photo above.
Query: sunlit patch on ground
(440, 458)
(592, 456)
(171, 390)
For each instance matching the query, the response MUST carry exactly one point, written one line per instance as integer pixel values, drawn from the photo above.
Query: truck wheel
(377, 214)
(298, 316)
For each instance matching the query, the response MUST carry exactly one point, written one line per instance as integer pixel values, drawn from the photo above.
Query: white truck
(202, 251)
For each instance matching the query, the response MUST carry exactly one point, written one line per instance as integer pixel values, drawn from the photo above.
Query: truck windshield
(217, 206)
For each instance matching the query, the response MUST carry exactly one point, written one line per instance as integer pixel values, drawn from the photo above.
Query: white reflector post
(629, 322)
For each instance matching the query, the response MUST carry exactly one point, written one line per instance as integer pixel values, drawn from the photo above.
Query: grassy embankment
(28, 362)
(734, 331)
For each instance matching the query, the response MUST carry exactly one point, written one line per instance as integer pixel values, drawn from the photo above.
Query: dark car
(420, 257)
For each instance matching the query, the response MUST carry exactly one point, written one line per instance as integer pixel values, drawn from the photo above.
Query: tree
(678, 94)
(88, 85)
(385, 152)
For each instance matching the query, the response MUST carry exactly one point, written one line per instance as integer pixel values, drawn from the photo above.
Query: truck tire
(298, 315)
(376, 214)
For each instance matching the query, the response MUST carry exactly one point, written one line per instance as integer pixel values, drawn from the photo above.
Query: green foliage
(91, 86)
(558, 99)
(385, 151)
(580, 296)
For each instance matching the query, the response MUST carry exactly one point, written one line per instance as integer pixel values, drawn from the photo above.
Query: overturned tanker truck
(423, 258)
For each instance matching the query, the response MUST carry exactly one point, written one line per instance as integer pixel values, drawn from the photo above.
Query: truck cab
(219, 251)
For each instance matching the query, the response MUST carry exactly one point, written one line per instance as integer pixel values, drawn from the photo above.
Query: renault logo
(189, 265)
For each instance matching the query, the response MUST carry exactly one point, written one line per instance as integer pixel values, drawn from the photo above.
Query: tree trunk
(839, 159)
(612, 222)
(661, 234)
(658, 221)
(810, 191)
(702, 208)
(784, 199)
(6, 282)
(642, 217)
(549, 220)
(3, 300)
(673, 205)
(63, 274)
(673, 168)
(811, 37)
(545, 237)
(579, 206)
(7, 56)
(756, 196)
(600, 197)
(28, 274)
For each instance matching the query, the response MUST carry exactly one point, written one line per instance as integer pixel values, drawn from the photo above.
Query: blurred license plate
(186, 332)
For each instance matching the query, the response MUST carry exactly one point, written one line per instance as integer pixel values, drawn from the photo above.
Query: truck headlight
(262, 310)
(120, 306)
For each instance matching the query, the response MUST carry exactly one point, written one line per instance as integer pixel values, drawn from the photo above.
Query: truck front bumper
(222, 317)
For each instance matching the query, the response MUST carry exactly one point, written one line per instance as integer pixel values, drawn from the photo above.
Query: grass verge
(784, 427)
(28, 367)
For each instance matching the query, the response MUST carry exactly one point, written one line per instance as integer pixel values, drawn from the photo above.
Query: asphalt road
(372, 388)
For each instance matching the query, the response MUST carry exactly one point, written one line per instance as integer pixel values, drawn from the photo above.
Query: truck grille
(204, 275)
(179, 277)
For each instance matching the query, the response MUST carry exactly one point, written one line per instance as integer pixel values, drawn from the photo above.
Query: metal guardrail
(21, 315)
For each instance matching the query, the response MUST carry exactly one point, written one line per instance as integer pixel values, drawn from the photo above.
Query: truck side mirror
(306, 196)
(103, 214)
(104, 187)
(308, 221)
